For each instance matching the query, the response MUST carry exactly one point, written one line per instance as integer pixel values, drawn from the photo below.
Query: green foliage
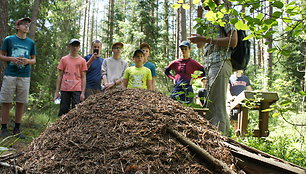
(55, 28)
(279, 146)
(261, 25)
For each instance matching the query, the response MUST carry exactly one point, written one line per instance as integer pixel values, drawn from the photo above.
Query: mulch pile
(123, 131)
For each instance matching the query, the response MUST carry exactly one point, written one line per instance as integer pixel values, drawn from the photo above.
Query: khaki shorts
(15, 85)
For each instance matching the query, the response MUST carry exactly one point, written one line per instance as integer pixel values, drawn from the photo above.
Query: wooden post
(243, 121)
(263, 120)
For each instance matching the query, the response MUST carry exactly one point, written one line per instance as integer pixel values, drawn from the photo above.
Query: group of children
(79, 77)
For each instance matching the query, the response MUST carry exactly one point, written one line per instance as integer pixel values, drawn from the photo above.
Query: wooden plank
(256, 151)
(269, 97)
(266, 163)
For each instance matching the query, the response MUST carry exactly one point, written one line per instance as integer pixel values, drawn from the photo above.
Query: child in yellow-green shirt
(138, 76)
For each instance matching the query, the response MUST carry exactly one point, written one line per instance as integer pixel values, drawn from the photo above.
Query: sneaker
(3, 133)
(17, 131)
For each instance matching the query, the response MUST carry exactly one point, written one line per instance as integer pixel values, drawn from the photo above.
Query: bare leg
(5, 112)
(19, 112)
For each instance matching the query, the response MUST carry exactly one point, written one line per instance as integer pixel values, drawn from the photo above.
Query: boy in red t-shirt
(183, 68)
(71, 81)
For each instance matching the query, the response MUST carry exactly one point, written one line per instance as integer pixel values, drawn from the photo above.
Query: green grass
(285, 141)
(32, 125)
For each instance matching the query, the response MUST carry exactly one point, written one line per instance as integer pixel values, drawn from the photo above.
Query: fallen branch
(217, 164)
(19, 169)
(10, 156)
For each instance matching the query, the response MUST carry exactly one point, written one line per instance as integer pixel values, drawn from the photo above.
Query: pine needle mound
(123, 131)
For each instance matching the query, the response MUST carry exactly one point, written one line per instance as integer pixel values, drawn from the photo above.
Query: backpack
(240, 55)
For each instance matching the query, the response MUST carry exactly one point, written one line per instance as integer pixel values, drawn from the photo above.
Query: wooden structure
(201, 111)
(250, 160)
(254, 161)
(259, 101)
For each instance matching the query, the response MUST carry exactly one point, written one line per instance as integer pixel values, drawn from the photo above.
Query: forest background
(276, 29)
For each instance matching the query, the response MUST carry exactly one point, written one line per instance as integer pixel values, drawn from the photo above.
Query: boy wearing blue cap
(183, 69)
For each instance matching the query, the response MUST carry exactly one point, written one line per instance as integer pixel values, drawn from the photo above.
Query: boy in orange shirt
(71, 81)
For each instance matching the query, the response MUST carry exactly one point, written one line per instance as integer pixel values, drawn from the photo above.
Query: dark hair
(136, 52)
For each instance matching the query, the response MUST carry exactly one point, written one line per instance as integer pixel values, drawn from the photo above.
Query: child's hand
(82, 97)
(22, 61)
(56, 95)
(109, 85)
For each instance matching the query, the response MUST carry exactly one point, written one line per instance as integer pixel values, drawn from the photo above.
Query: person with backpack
(218, 61)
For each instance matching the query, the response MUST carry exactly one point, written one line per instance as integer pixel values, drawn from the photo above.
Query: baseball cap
(203, 78)
(117, 43)
(23, 19)
(137, 51)
(185, 43)
(144, 45)
(74, 41)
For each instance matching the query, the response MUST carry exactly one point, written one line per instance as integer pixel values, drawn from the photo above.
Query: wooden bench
(262, 101)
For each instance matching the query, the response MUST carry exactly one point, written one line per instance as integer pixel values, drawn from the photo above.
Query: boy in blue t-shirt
(19, 52)
(146, 49)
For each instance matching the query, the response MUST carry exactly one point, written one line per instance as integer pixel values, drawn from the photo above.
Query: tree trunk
(88, 27)
(259, 54)
(254, 54)
(33, 27)
(270, 58)
(166, 28)
(177, 35)
(111, 23)
(157, 12)
(190, 18)
(92, 24)
(84, 28)
(183, 24)
(3, 31)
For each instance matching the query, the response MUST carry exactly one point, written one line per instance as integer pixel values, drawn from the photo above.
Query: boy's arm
(104, 73)
(120, 80)
(149, 83)
(92, 58)
(3, 57)
(82, 97)
(25, 61)
(17, 60)
(58, 84)
(125, 83)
